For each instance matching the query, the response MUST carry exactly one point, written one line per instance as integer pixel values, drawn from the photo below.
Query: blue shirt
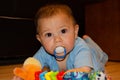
(81, 55)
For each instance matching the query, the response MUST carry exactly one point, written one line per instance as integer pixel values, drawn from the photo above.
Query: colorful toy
(72, 76)
(27, 72)
(52, 75)
(31, 70)
(98, 75)
(42, 76)
(76, 76)
(37, 75)
(60, 75)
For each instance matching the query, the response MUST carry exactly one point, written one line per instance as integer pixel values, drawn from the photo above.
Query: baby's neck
(62, 64)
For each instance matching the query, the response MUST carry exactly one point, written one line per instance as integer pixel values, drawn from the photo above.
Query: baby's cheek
(48, 49)
(69, 46)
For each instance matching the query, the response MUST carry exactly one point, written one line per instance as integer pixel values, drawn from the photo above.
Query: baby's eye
(48, 34)
(63, 31)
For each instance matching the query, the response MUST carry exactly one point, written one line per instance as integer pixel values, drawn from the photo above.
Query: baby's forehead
(54, 16)
(55, 22)
(62, 17)
(58, 18)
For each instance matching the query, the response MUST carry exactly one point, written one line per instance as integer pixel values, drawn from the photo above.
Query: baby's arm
(81, 69)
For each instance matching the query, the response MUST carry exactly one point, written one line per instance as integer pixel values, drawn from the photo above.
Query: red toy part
(60, 75)
(37, 75)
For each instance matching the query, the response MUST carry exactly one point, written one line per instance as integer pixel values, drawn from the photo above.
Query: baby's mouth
(60, 52)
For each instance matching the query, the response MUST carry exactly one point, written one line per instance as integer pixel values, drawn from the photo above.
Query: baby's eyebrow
(64, 26)
(45, 31)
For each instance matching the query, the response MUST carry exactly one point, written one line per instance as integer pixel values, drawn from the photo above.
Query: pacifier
(59, 50)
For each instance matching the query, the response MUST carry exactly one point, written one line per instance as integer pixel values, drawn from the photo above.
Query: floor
(6, 72)
(112, 69)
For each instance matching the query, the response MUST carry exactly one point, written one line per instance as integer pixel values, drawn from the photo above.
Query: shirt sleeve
(83, 58)
(41, 56)
(46, 59)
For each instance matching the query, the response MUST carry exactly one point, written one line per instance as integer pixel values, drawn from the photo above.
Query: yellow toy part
(27, 72)
(33, 61)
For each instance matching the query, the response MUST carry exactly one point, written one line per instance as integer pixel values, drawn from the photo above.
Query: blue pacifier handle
(60, 57)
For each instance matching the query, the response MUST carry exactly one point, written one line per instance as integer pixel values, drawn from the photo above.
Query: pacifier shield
(60, 50)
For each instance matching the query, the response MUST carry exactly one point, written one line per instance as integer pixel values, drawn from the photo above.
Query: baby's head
(56, 26)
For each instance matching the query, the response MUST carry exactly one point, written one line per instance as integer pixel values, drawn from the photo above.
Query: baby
(57, 29)
(62, 49)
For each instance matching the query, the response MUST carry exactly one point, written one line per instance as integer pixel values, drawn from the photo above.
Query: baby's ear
(38, 37)
(20, 73)
(76, 30)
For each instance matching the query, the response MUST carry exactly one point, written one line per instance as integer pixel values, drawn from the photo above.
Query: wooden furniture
(102, 23)
(17, 40)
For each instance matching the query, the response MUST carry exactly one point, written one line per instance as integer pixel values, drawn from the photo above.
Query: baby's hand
(109, 78)
(16, 78)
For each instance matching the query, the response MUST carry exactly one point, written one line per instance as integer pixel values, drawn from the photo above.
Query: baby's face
(57, 31)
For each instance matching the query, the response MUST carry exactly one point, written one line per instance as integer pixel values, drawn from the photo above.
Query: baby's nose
(58, 38)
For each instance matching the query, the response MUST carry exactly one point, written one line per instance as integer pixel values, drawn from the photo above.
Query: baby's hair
(53, 9)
